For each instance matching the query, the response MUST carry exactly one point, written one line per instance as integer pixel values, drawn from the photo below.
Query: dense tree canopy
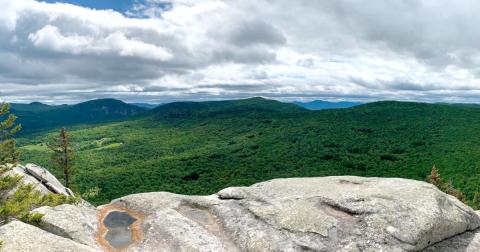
(193, 148)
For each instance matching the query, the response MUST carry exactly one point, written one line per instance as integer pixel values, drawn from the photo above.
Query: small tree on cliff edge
(62, 155)
(447, 187)
(435, 179)
(8, 128)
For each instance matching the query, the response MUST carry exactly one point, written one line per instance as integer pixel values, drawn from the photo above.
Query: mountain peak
(36, 103)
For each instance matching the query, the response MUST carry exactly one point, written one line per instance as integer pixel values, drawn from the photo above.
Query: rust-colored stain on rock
(135, 228)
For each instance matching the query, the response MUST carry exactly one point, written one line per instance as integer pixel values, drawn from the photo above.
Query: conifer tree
(62, 156)
(435, 179)
(8, 152)
(8, 129)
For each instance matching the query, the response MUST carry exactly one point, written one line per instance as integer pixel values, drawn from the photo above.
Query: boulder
(50, 181)
(318, 214)
(347, 214)
(73, 222)
(26, 178)
(18, 236)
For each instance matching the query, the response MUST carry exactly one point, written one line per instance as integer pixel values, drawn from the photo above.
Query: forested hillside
(37, 116)
(199, 148)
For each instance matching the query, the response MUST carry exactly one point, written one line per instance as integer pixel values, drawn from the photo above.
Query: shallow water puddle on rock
(119, 234)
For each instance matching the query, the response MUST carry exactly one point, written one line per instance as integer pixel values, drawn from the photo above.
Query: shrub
(447, 187)
(25, 199)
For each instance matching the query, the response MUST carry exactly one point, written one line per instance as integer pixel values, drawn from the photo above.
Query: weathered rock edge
(296, 214)
(40, 178)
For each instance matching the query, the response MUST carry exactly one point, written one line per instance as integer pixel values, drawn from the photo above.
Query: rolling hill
(319, 105)
(37, 116)
(199, 148)
(34, 107)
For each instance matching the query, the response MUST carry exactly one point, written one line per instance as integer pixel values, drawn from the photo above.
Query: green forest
(200, 148)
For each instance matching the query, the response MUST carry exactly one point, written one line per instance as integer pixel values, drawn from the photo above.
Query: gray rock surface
(347, 214)
(27, 179)
(319, 214)
(42, 180)
(73, 222)
(18, 236)
(50, 181)
(466, 242)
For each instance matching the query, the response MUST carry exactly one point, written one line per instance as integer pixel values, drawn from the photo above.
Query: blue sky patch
(118, 5)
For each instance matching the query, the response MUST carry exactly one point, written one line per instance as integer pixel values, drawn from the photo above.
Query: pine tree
(8, 129)
(62, 156)
(435, 179)
(8, 151)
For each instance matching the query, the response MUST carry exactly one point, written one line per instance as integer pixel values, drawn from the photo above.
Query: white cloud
(236, 48)
(49, 38)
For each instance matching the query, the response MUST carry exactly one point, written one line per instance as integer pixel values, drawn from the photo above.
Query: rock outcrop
(42, 180)
(72, 222)
(18, 236)
(298, 214)
(47, 179)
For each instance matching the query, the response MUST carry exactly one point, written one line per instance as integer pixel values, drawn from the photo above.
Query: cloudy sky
(163, 50)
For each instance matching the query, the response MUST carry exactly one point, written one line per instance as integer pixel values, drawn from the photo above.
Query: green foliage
(32, 218)
(37, 116)
(62, 155)
(200, 148)
(8, 129)
(475, 202)
(25, 199)
(91, 193)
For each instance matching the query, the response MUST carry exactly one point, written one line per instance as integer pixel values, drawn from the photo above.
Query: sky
(117, 5)
(165, 50)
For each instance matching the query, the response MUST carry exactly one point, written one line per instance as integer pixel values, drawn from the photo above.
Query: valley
(199, 148)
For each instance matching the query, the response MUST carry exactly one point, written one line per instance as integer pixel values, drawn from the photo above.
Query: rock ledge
(297, 214)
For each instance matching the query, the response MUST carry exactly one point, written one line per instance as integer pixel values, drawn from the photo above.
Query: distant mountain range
(39, 116)
(319, 104)
(36, 115)
(146, 105)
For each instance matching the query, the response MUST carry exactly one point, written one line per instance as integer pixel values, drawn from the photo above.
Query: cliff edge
(294, 214)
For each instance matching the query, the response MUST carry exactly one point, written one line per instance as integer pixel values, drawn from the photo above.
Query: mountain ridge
(39, 116)
(320, 104)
